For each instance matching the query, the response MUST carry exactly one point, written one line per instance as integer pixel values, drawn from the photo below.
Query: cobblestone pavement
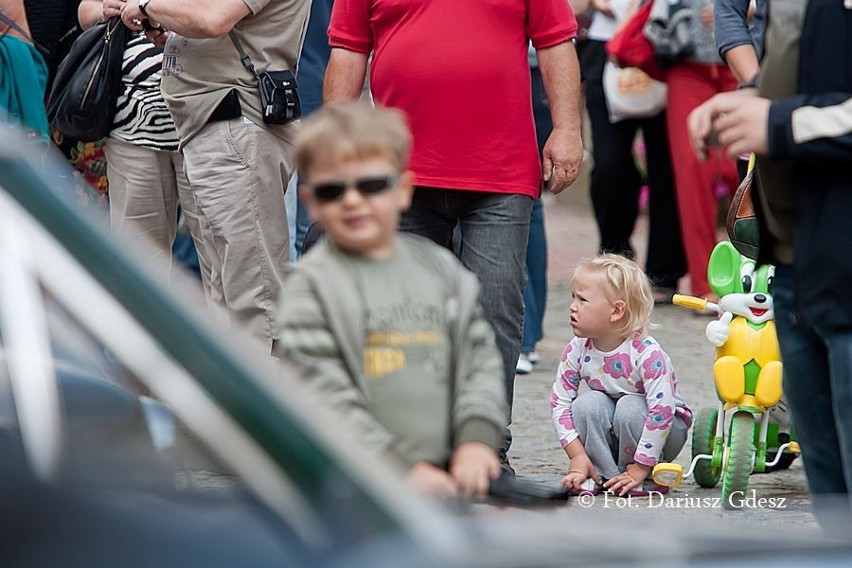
(535, 453)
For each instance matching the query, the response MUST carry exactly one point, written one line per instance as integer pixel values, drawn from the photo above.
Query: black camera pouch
(279, 97)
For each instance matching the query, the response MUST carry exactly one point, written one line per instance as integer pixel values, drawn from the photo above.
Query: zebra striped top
(141, 116)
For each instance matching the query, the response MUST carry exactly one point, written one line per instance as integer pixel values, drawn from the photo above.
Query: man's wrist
(750, 84)
(143, 7)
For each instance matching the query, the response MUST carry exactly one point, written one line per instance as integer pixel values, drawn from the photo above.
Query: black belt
(228, 109)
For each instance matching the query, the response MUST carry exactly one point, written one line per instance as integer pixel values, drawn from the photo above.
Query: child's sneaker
(647, 489)
(524, 366)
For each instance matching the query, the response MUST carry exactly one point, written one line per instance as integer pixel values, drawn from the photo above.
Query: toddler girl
(633, 416)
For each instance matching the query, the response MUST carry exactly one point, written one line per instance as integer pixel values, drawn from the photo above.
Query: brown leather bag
(741, 223)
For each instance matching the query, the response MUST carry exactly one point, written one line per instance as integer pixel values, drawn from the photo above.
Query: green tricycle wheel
(703, 434)
(740, 460)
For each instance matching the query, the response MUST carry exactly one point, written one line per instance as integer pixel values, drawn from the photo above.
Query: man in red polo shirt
(459, 70)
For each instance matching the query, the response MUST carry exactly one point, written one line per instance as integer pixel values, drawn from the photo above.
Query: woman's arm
(733, 38)
(89, 13)
(15, 11)
(742, 60)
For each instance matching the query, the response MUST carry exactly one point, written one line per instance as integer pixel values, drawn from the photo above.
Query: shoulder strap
(244, 58)
(14, 25)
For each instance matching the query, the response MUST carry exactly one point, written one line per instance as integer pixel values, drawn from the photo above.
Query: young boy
(387, 326)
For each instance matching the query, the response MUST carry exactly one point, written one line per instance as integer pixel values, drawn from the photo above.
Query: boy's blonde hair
(623, 280)
(345, 131)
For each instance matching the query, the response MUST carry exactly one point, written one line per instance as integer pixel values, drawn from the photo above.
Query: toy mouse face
(742, 289)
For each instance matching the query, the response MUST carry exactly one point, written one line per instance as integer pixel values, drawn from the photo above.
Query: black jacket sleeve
(811, 127)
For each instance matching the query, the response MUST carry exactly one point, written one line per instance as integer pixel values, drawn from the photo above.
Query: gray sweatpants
(611, 429)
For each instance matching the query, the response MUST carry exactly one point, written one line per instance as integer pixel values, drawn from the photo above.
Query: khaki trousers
(238, 174)
(144, 185)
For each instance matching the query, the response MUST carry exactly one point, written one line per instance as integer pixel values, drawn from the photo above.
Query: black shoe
(509, 489)
(505, 467)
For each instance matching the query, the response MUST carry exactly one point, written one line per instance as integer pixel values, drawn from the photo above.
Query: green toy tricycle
(751, 423)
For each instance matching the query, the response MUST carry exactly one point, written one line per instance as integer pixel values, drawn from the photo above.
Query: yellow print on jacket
(385, 351)
(380, 361)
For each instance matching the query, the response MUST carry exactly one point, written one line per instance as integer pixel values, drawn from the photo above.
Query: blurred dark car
(136, 430)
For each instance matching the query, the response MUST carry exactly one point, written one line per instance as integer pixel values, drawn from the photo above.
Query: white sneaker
(532, 356)
(524, 366)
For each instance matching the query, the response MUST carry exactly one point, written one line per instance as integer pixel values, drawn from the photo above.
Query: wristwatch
(143, 4)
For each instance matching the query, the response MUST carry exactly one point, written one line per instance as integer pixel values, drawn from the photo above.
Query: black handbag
(82, 101)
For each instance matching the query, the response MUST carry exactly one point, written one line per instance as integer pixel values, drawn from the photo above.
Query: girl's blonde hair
(623, 280)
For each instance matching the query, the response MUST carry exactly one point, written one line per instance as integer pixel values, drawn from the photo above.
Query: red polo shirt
(459, 70)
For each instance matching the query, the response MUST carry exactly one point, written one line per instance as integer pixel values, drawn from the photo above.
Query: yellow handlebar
(691, 302)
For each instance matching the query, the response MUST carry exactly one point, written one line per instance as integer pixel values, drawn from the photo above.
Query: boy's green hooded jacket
(322, 341)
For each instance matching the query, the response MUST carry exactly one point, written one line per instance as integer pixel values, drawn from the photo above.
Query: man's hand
(563, 152)
(561, 158)
(473, 466)
(743, 125)
(133, 17)
(427, 478)
(579, 470)
(630, 479)
(739, 120)
(159, 36)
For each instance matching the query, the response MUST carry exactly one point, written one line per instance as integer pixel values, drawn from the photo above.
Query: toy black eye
(769, 284)
(747, 283)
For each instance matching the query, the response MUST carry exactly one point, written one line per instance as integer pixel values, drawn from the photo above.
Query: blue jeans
(298, 218)
(494, 231)
(184, 252)
(535, 293)
(541, 109)
(818, 386)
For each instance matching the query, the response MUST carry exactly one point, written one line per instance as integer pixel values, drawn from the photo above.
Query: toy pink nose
(759, 298)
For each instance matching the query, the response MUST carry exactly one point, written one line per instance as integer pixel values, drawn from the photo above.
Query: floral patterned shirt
(637, 366)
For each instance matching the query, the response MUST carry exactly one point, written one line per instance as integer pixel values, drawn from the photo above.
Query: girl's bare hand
(580, 469)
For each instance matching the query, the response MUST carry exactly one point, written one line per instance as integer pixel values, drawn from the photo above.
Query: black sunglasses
(328, 191)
